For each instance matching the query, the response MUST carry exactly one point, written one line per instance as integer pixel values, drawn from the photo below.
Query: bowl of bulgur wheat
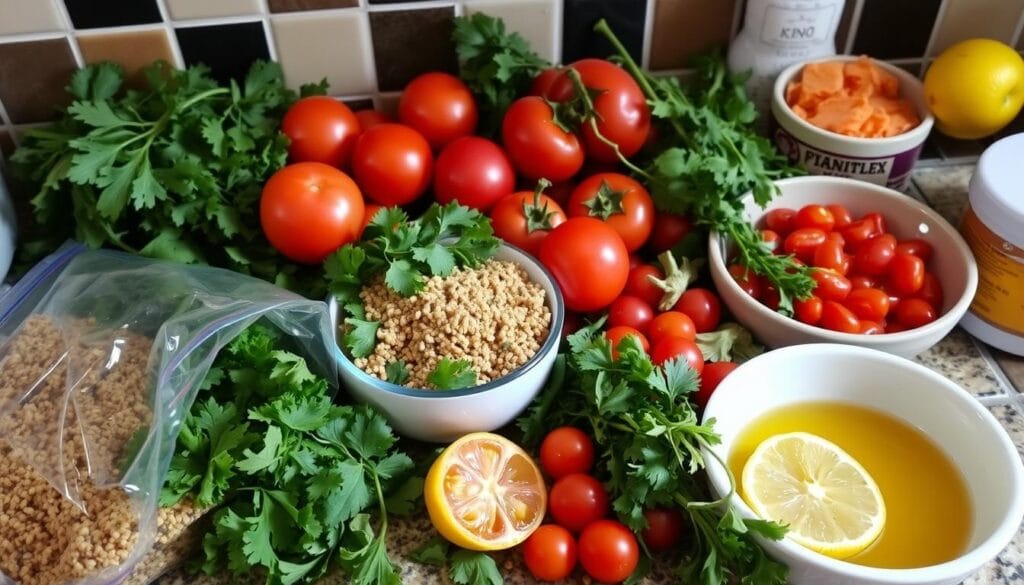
(491, 332)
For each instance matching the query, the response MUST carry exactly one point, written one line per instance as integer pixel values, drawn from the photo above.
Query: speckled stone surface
(957, 357)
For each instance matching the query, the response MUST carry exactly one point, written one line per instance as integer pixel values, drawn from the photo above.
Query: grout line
(305, 14)
(738, 10)
(172, 38)
(1018, 35)
(113, 30)
(268, 33)
(410, 6)
(219, 21)
(558, 16)
(33, 36)
(645, 50)
(69, 32)
(851, 35)
(997, 370)
(939, 15)
(5, 120)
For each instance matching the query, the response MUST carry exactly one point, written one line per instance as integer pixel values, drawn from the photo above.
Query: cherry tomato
(671, 324)
(808, 310)
(370, 118)
(639, 285)
(830, 255)
(525, 218)
(321, 129)
(542, 83)
(877, 220)
(771, 297)
(869, 304)
(874, 256)
(369, 210)
(747, 280)
(915, 312)
(895, 327)
(615, 336)
(608, 551)
(536, 145)
(620, 202)
(669, 229)
(862, 281)
(831, 286)
(871, 328)
(622, 114)
(310, 209)
(771, 240)
(439, 106)
(931, 290)
(589, 262)
(814, 216)
(840, 214)
(576, 500)
(803, 242)
(566, 450)
(780, 220)
(473, 171)
(838, 318)
(630, 311)
(669, 348)
(392, 164)
(550, 553)
(710, 377)
(906, 274)
(917, 247)
(857, 233)
(702, 306)
(664, 528)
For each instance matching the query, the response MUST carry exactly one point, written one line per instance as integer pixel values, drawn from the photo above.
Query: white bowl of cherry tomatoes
(890, 273)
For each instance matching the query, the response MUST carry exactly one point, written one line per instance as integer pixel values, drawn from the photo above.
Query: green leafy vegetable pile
(298, 483)
(171, 171)
(650, 441)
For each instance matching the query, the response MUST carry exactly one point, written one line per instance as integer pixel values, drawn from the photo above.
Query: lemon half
(829, 501)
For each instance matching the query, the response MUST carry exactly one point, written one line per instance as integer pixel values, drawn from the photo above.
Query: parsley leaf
(397, 372)
(452, 374)
(474, 568)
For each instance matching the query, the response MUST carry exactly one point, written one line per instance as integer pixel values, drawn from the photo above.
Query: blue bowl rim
(553, 339)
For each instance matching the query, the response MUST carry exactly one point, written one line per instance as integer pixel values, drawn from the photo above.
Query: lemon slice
(830, 502)
(485, 493)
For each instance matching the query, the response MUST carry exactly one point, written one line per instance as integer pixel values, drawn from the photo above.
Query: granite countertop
(994, 377)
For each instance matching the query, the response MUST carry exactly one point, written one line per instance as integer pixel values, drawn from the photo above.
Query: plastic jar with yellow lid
(993, 227)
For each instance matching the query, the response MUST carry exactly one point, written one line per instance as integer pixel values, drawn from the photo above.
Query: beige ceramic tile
(684, 28)
(336, 46)
(133, 50)
(533, 19)
(27, 16)
(188, 9)
(965, 19)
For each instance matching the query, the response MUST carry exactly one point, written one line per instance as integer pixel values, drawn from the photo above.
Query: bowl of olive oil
(884, 471)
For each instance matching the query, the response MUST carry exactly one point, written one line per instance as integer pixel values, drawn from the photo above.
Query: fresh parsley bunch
(297, 482)
(172, 171)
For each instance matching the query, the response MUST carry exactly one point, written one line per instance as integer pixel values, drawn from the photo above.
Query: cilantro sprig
(650, 440)
(465, 567)
(451, 374)
(297, 483)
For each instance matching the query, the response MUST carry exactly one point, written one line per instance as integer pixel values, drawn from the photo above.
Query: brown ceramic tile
(32, 78)
(1012, 366)
(966, 19)
(6, 143)
(297, 5)
(684, 28)
(845, 23)
(1020, 41)
(409, 42)
(132, 50)
(389, 104)
(190, 9)
(27, 16)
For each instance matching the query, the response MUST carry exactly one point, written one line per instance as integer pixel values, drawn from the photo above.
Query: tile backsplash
(369, 49)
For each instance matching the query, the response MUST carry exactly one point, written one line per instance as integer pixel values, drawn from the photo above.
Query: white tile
(336, 46)
(533, 19)
(28, 16)
(190, 9)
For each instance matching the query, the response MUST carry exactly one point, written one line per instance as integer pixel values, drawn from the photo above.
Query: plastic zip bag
(101, 356)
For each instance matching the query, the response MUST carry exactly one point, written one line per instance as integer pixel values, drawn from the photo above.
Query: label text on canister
(1000, 297)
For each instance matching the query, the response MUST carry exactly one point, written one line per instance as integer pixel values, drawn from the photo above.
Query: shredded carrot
(856, 98)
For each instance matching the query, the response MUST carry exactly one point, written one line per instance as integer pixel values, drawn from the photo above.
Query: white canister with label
(778, 33)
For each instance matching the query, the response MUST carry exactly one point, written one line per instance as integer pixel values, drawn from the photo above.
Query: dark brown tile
(845, 23)
(33, 75)
(6, 143)
(625, 17)
(895, 29)
(911, 68)
(205, 44)
(356, 105)
(409, 42)
(1012, 366)
(684, 28)
(104, 13)
(300, 5)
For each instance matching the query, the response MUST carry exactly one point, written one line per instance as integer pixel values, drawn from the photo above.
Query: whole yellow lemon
(974, 88)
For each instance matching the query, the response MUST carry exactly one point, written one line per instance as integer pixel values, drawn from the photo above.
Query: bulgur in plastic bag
(101, 356)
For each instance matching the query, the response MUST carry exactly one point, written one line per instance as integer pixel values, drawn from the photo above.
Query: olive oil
(929, 511)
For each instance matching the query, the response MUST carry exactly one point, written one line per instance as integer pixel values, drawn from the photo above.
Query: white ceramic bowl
(884, 161)
(8, 229)
(964, 429)
(445, 415)
(952, 263)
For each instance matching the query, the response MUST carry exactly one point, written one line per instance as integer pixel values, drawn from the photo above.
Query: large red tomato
(321, 129)
(439, 106)
(589, 262)
(309, 210)
(620, 202)
(525, 218)
(392, 164)
(623, 116)
(473, 171)
(538, 147)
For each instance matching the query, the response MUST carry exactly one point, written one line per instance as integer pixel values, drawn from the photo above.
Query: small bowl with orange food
(851, 116)
(886, 472)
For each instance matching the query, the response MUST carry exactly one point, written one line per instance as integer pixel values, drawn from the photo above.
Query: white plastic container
(993, 227)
